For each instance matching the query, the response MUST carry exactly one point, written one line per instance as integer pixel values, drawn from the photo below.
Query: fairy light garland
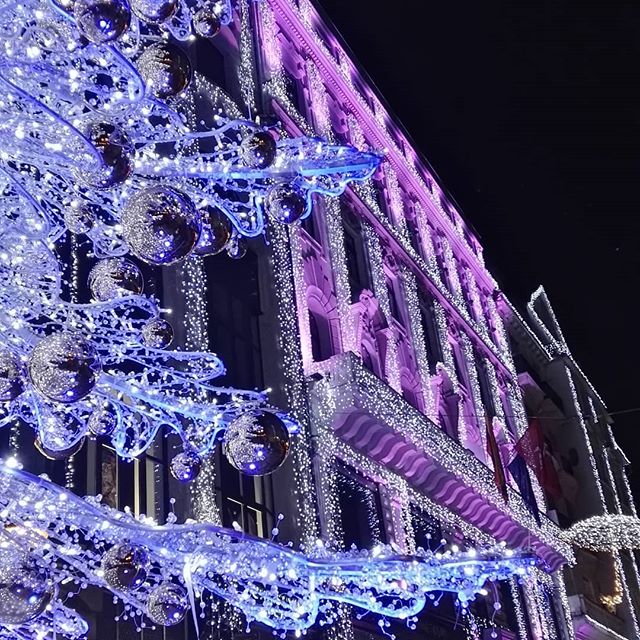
(374, 250)
(337, 256)
(292, 367)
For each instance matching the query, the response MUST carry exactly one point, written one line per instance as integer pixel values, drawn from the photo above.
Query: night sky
(530, 114)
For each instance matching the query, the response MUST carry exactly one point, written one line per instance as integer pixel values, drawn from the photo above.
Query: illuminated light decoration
(606, 533)
(149, 388)
(42, 109)
(80, 540)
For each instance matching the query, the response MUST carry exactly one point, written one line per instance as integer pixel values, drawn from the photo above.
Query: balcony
(592, 622)
(368, 415)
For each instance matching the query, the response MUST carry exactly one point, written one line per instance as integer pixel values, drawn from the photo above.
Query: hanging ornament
(160, 225)
(154, 11)
(237, 247)
(115, 152)
(256, 442)
(78, 220)
(25, 589)
(215, 233)
(168, 604)
(258, 150)
(125, 567)
(206, 22)
(286, 203)
(165, 69)
(57, 454)
(102, 20)
(157, 334)
(64, 367)
(104, 419)
(186, 466)
(11, 376)
(115, 278)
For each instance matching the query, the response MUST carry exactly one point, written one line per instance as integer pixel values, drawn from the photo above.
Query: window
(395, 298)
(141, 485)
(246, 500)
(430, 330)
(321, 338)
(360, 508)
(356, 254)
(485, 388)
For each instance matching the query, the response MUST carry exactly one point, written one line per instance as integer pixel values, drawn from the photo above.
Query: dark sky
(530, 114)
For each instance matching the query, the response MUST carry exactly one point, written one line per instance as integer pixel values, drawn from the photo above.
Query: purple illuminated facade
(401, 354)
(378, 327)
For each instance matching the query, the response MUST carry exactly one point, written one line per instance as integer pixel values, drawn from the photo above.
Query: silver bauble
(154, 11)
(160, 225)
(103, 419)
(258, 150)
(157, 334)
(165, 69)
(168, 604)
(286, 203)
(64, 367)
(186, 466)
(215, 232)
(115, 278)
(102, 20)
(11, 376)
(237, 247)
(206, 22)
(57, 454)
(25, 589)
(115, 152)
(257, 442)
(78, 220)
(125, 567)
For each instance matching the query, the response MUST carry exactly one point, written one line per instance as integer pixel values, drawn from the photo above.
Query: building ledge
(592, 622)
(368, 415)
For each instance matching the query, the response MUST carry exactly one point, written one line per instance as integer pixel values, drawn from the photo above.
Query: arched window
(321, 342)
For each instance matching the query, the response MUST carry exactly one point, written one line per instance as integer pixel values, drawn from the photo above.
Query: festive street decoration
(108, 132)
(611, 532)
(136, 175)
(158, 572)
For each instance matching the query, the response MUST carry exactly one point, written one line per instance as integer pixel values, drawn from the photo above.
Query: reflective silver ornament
(168, 604)
(165, 69)
(215, 233)
(25, 589)
(115, 278)
(157, 334)
(257, 442)
(286, 203)
(103, 419)
(115, 151)
(57, 454)
(154, 11)
(102, 20)
(160, 225)
(237, 247)
(258, 150)
(206, 22)
(11, 376)
(125, 567)
(64, 367)
(78, 220)
(186, 466)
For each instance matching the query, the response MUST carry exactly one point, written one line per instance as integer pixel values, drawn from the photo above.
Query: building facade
(377, 325)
